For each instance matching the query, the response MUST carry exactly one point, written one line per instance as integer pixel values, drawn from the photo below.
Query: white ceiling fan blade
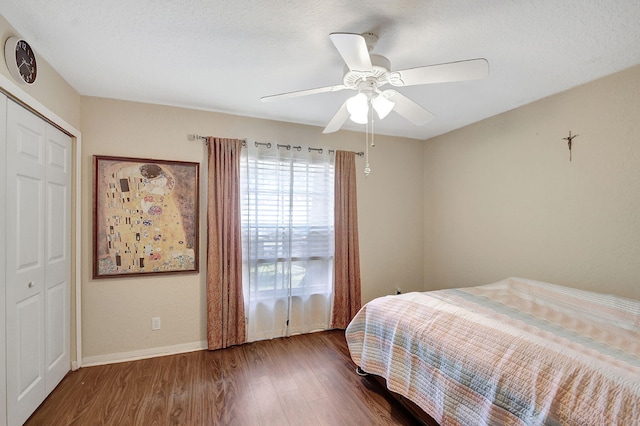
(353, 49)
(409, 109)
(473, 69)
(298, 93)
(338, 120)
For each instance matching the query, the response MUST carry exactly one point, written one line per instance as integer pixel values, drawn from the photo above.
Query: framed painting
(145, 217)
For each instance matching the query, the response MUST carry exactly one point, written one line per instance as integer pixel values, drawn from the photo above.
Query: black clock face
(26, 62)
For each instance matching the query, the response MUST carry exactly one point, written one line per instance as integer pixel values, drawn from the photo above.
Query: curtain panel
(226, 325)
(347, 293)
(288, 236)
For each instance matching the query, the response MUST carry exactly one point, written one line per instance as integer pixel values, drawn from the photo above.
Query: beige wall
(502, 198)
(50, 89)
(62, 105)
(117, 312)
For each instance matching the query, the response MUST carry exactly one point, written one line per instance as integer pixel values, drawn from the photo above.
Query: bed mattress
(514, 352)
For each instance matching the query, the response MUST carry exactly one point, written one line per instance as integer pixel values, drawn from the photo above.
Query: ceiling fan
(367, 73)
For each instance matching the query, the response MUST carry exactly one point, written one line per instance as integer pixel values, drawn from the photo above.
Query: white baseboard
(143, 354)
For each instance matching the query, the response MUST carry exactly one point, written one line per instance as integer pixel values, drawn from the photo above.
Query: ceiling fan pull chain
(372, 131)
(367, 169)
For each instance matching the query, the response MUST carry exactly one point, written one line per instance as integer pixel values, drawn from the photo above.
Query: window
(287, 230)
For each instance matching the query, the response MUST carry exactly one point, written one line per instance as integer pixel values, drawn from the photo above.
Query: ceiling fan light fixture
(359, 118)
(382, 105)
(358, 105)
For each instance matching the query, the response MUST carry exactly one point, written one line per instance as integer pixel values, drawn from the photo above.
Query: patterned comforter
(514, 352)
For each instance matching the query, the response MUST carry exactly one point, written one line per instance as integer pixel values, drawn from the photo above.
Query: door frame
(15, 93)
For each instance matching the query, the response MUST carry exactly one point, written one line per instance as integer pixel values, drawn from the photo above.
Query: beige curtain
(225, 306)
(347, 256)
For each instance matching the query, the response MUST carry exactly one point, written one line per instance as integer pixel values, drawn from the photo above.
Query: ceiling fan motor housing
(380, 70)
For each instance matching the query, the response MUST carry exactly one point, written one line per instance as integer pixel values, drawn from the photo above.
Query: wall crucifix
(569, 139)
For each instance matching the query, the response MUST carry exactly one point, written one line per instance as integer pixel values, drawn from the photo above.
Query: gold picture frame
(145, 217)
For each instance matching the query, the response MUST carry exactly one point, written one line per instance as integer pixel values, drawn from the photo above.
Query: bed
(515, 352)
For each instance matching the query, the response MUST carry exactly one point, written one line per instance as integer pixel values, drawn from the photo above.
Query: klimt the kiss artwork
(145, 216)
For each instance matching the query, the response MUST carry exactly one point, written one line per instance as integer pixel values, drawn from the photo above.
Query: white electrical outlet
(155, 323)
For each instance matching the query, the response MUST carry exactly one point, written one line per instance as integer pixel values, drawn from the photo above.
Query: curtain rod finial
(196, 137)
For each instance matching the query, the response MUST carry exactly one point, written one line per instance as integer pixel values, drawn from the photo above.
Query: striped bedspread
(516, 352)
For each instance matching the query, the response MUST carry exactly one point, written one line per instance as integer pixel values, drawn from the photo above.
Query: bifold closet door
(57, 276)
(3, 203)
(37, 260)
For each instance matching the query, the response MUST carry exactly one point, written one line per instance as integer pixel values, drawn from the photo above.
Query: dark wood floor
(300, 380)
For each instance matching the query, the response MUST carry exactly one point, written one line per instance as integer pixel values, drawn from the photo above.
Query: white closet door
(25, 263)
(3, 189)
(37, 260)
(57, 255)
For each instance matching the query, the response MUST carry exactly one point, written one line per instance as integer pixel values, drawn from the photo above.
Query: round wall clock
(21, 60)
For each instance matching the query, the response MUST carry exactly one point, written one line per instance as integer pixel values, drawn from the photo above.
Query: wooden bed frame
(417, 412)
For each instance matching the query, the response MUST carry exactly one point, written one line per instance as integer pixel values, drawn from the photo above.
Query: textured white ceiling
(224, 55)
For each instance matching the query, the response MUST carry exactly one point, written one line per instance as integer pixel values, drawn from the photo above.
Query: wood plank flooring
(300, 380)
